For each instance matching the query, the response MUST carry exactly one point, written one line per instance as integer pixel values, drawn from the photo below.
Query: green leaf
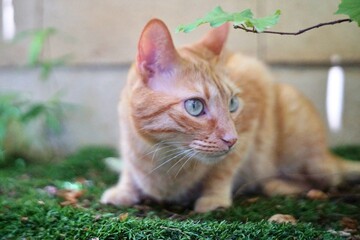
(37, 44)
(218, 17)
(33, 112)
(242, 17)
(350, 8)
(38, 38)
(52, 121)
(47, 66)
(215, 18)
(261, 24)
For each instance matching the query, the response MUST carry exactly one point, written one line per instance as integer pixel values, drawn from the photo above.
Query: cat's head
(184, 97)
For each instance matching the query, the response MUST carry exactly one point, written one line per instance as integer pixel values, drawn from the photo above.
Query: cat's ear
(156, 51)
(215, 39)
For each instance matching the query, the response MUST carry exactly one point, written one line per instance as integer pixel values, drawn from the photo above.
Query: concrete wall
(101, 37)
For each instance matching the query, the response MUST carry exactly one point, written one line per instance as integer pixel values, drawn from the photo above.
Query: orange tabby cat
(199, 123)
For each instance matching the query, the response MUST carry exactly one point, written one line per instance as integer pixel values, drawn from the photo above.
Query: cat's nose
(229, 141)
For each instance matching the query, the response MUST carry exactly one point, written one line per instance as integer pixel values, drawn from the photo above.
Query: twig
(294, 33)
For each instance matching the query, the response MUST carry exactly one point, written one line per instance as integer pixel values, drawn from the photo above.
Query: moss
(28, 211)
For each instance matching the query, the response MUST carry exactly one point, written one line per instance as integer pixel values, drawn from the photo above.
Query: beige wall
(106, 31)
(101, 36)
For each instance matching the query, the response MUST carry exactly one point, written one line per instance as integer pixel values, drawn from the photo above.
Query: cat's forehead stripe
(220, 84)
(212, 85)
(213, 90)
(209, 83)
(207, 91)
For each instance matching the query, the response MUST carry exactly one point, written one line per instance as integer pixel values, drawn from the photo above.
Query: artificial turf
(29, 211)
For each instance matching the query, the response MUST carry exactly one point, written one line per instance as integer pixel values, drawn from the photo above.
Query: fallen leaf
(70, 196)
(68, 202)
(317, 195)
(123, 216)
(349, 224)
(282, 218)
(252, 200)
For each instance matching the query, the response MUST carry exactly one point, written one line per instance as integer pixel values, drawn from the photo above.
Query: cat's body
(198, 124)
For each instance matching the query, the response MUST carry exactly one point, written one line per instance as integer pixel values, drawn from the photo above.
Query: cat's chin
(211, 158)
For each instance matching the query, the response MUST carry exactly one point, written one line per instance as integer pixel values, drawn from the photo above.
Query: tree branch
(294, 33)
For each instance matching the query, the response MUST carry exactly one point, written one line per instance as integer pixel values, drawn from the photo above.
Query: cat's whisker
(170, 153)
(174, 148)
(196, 163)
(186, 155)
(158, 149)
(177, 154)
(161, 142)
(153, 148)
(186, 152)
(165, 144)
(189, 158)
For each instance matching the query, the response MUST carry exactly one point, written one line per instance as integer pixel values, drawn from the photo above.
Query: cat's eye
(234, 104)
(195, 107)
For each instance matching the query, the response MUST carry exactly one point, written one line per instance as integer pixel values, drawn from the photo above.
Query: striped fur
(274, 140)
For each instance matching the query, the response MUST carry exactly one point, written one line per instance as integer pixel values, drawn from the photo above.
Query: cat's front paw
(210, 203)
(119, 197)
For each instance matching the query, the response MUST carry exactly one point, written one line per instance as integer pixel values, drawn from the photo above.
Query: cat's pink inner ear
(215, 39)
(156, 51)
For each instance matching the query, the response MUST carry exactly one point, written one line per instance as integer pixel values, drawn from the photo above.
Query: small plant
(17, 114)
(38, 39)
(245, 20)
(218, 17)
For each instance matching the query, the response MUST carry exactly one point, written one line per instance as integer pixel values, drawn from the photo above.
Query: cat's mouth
(209, 153)
(204, 153)
(211, 157)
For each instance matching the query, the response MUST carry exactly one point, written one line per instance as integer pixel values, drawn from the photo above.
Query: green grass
(27, 211)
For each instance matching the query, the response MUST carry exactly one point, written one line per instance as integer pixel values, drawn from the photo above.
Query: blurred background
(63, 64)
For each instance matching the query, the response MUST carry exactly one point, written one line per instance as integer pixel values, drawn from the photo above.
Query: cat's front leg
(124, 193)
(210, 202)
(217, 186)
